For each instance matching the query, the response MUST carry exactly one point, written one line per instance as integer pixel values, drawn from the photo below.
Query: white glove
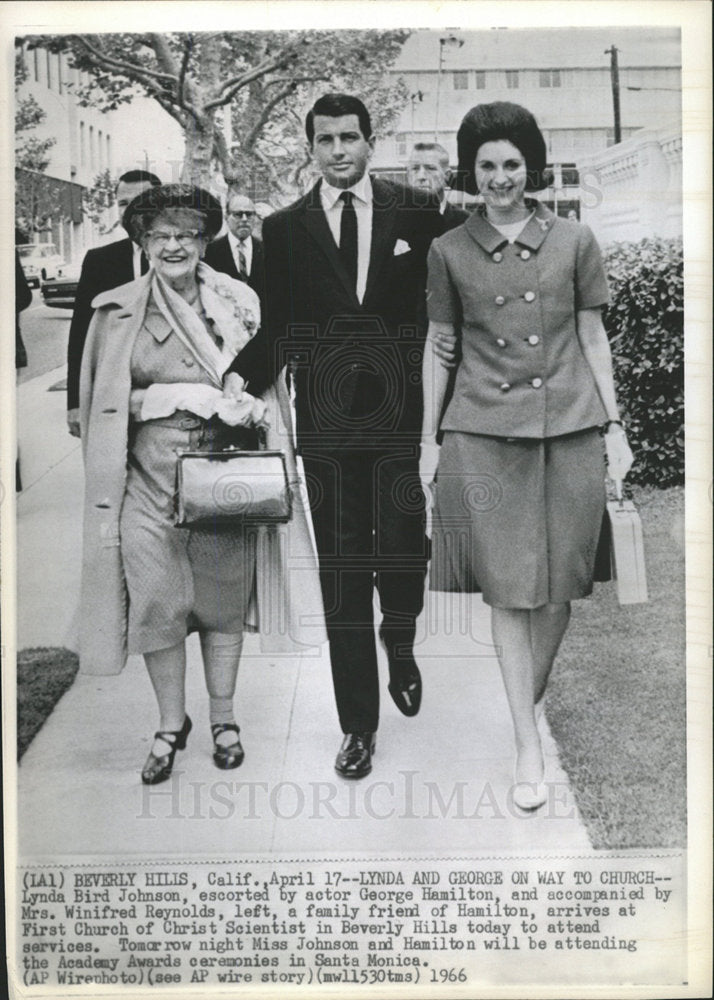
(233, 385)
(163, 399)
(619, 455)
(245, 412)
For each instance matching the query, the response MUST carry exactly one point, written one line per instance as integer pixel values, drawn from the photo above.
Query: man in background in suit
(428, 170)
(345, 270)
(103, 268)
(239, 253)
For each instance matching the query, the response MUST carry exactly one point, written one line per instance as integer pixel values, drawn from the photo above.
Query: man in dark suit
(239, 253)
(428, 170)
(345, 270)
(102, 268)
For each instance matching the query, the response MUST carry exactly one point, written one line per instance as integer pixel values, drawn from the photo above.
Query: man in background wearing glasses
(239, 253)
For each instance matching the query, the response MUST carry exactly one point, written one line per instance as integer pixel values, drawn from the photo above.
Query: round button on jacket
(505, 386)
(525, 254)
(534, 339)
(501, 342)
(537, 383)
(500, 300)
(497, 257)
(529, 296)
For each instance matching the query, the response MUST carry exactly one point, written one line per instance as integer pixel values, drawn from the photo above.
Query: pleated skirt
(518, 520)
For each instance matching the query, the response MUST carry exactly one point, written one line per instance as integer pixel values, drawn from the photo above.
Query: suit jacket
(23, 297)
(453, 216)
(102, 269)
(357, 366)
(220, 257)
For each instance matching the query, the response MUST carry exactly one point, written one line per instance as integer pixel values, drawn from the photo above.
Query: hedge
(645, 325)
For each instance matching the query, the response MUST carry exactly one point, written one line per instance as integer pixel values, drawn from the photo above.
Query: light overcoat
(287, 608)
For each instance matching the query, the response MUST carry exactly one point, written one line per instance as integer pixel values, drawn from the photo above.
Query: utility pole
(615, 81)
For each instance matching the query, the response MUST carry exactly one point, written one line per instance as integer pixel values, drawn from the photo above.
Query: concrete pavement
(441, 781)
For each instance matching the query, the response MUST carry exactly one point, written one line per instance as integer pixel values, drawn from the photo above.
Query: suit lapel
(384, 214)
(315, 221)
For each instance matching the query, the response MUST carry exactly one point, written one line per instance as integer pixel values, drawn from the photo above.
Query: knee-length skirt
(518, 519)
(177, 579)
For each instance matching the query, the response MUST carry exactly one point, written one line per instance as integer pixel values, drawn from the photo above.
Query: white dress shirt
(247, 247)
(362, 201)
(136, 260)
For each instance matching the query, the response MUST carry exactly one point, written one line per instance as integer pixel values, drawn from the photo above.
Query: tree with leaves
(238, 96)
(36, 196)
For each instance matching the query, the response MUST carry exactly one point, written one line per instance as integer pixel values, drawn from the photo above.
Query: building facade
(138, 135)
(563, 76)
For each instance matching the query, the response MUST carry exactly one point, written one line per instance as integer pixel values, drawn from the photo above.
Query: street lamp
(452, 42)
(416, 97)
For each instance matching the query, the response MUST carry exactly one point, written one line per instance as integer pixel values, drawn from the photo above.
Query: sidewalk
(440, 782)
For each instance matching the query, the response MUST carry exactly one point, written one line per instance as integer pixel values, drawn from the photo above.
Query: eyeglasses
(242, 215)
(184, 238)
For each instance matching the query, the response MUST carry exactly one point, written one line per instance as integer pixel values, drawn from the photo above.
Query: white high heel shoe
(530, 795)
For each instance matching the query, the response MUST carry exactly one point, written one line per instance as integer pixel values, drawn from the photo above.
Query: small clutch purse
(225, 489)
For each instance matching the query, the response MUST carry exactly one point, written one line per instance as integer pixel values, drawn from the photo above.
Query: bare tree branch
(231, 87)
(136, 72)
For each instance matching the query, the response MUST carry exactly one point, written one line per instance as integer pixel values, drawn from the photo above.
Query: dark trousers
(368, 512)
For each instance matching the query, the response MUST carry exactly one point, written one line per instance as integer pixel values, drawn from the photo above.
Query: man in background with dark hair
(103, 268)
(239, 253)
(345, 271)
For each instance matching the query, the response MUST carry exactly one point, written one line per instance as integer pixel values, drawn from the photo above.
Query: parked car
(40, 261)
(60, 291)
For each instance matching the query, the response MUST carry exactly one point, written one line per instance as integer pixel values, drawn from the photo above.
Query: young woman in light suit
(519, 493)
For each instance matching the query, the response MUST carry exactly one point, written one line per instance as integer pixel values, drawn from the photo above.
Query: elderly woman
(152, 387)
(519, 492)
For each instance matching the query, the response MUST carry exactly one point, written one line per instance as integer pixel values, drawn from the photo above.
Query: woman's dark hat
(141, 212)
(491, 122)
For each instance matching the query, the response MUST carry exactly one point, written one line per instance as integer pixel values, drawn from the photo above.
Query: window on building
(49, 69)
(569, 174)
(461, 79)
(36, 64)
(92, 153)
(512, 79)
(401, 142)
(100, 148)
(82, 144)
(59, 72)
(109, 153)
(550, 78)
(480, 79)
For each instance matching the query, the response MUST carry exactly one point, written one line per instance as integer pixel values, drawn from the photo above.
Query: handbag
(226, 489)
(627, 550)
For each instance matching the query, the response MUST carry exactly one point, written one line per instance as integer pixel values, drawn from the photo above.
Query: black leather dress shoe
(404, 677)
(355, 757)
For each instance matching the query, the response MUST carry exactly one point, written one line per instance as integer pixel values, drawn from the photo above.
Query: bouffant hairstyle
(491, 122)
(335, 106)
(141, 213)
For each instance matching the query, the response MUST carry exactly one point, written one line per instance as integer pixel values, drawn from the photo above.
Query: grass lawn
(616, 697)
(43, 676)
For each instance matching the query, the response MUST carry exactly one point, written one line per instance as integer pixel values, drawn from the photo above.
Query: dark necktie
(242, 262)
(348, 235)
(144, 264)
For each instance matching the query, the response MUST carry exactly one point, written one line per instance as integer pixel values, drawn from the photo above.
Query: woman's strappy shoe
(230, 755)
(158, 769)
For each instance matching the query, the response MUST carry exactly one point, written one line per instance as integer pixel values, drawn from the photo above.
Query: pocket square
(401, 246)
